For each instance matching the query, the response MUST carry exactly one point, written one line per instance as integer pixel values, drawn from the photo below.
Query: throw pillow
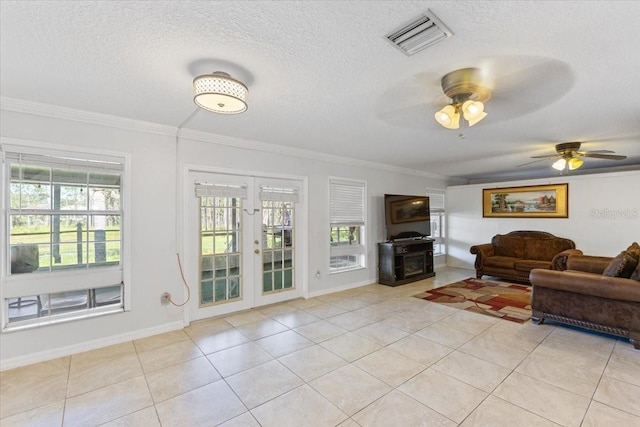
(634, 250)
(621, 266)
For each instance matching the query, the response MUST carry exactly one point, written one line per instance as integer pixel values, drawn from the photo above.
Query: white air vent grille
(419, 34)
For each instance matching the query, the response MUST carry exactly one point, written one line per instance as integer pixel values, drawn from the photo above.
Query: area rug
(505, 300)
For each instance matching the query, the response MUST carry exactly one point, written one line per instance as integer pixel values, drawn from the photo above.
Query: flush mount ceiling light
(467, 94)
(220, 93)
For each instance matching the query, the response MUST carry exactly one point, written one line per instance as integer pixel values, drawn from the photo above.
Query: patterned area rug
(505, 300)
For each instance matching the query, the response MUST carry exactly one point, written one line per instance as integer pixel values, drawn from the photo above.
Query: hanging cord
(184, 280)
(186, 285)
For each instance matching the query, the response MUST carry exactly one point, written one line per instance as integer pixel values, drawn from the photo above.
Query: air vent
(419, 34)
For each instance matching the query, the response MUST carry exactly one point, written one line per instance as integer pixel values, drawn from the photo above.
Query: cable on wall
(186, 285)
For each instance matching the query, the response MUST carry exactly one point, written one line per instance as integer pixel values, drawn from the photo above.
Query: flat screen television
(407, 217)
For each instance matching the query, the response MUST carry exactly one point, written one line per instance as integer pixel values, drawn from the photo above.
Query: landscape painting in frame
(535, 201)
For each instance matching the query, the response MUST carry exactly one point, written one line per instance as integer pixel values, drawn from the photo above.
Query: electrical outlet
(165, 298)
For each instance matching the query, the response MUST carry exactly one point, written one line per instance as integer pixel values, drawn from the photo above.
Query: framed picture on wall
(533, 201)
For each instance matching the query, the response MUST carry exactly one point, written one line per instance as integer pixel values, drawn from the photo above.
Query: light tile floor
(371, 356)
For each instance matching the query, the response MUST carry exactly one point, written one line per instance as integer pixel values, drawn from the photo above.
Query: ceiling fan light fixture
(467, 91)
(574, 163)
(220, 93)
(448, 117)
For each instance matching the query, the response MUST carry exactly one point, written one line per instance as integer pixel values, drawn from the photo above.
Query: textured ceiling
(322, 76)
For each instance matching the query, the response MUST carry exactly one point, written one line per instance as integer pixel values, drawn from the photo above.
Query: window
(438, 229)
(347, 217)
(64, 219)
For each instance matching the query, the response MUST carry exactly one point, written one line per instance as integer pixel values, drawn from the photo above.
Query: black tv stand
(404, 261)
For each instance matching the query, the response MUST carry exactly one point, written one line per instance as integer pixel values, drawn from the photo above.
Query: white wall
(604, 215)
(153, 219)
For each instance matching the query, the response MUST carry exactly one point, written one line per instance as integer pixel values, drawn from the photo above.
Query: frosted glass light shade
(473, 111)
(448, 117)
(574, 163)
(220, 93)
(559, 164)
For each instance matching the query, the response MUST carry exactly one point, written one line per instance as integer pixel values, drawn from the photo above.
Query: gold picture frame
(531, 201)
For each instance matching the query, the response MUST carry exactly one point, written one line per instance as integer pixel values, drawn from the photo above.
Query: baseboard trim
(16, 362)
(341, 288)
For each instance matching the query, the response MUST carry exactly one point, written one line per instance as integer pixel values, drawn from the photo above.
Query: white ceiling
(322, 76)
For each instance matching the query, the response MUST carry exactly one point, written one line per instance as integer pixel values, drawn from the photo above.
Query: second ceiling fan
(569, 156)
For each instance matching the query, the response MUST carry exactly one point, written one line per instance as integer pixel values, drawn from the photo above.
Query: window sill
(32, 324)
(346, 270)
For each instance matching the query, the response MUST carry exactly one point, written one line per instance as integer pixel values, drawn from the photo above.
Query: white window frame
(49, 282)
(438, 214)
(352, 217)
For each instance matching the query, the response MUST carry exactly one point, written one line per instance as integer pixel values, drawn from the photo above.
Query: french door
(243, 242)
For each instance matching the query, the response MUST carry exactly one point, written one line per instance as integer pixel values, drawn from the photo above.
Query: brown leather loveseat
(598, 293)
(514, 255)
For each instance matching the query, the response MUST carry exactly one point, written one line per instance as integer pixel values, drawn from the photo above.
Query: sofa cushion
(544, 249)
(508, 246)
(530, 264)
(500, 262)
(621, 266)
(636, 273)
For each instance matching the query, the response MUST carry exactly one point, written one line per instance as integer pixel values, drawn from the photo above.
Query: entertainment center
(407, 255)
(404, 261)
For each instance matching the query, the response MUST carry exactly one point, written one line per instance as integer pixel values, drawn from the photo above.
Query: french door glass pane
(220, 249)
(277, 252)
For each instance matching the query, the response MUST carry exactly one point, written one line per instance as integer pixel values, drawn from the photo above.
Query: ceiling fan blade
(535, 161)
(604, 156)
(548, 156)
(598, 151)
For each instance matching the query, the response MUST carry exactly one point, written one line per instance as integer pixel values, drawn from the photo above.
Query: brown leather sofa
(586, 295)
(514, 255)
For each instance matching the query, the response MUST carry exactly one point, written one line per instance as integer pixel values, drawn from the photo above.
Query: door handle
(256, 242)
(257, 251)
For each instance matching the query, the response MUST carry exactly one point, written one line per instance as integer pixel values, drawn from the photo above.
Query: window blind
(95, 165)
(346, 203)
(205, 189)
(436, 200)
(279, 194)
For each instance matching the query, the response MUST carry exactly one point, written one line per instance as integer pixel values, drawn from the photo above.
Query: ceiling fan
(569, 156)
(468, 93)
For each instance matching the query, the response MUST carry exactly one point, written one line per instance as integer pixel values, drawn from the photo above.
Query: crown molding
(64, 113)
(199, 136)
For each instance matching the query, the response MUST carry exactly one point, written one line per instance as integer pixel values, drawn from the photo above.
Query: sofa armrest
(588, 264)
(482, 252)
(559, 262)
(579, 282)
